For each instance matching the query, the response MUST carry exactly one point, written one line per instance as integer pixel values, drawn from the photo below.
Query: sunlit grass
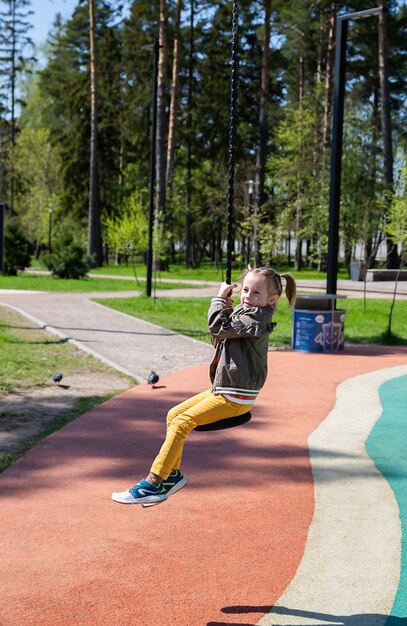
(40, 282)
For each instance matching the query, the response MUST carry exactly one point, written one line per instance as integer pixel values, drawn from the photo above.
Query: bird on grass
(57, 377)
(153, 378)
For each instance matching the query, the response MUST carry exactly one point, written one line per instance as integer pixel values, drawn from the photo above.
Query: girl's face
(255, 291)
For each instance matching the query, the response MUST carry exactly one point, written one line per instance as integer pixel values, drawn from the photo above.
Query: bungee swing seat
(228, 422)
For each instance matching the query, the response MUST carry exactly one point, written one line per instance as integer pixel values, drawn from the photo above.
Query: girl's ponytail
(290, 288)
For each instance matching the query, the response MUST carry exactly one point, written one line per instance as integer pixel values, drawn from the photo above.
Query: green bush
(68, 259)
(18, 250)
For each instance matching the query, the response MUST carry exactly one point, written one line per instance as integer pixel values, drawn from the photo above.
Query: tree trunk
(189, 255)
(368, 258)
(385, 117)
(174, 97)
(161, 114)
(298, 213)
(13, 99)
(298, 255)
(94, 239)
(263, 131)
(329, 76)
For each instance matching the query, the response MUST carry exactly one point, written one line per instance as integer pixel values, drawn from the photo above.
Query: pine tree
(16, 49)
(94, 237)
(65, 84)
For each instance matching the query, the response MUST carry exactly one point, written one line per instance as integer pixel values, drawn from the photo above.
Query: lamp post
(49, 227)
(337, 135)
(250, 184)
(156, 48)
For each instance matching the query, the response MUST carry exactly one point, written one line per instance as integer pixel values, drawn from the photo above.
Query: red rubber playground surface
(221, 551)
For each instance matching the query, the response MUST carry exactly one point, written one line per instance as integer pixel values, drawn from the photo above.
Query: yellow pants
(203, 408)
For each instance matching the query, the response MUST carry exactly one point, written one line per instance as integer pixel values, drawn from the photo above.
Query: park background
(76, 117)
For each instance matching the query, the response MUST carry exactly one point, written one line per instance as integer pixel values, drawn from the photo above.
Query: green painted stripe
(387, 447)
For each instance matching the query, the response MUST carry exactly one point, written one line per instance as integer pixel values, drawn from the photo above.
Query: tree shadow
(327, 619)
(118, 429)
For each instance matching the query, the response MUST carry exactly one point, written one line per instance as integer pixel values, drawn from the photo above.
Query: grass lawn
(206, 272)
(188, 317)
(29, 355)
(40, 282)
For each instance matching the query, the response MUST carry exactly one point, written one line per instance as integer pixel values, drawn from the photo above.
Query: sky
(44, 14)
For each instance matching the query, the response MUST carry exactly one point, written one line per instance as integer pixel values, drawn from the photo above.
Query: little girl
(238, 371)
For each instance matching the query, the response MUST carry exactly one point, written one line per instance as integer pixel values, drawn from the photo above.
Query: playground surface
(297, 518)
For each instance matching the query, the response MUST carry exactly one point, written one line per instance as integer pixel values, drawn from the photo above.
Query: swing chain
(232, 142)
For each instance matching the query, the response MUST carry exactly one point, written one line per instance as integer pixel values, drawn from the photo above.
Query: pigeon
(153, 378)
(57, 377)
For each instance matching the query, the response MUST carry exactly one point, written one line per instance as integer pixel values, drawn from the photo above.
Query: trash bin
(355, 270)
(317, 325)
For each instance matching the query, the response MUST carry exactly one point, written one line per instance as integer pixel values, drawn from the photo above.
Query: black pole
(232, 145)
(336, 151)
(152, 173)
(336, 155)
(1, 237)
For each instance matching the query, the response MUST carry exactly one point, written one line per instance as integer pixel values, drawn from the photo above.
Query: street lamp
(337, 134)
(156, 48)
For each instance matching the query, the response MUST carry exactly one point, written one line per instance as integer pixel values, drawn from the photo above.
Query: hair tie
(279, 282)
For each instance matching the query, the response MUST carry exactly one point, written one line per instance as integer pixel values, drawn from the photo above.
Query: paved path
(298, 518)
(128, 344)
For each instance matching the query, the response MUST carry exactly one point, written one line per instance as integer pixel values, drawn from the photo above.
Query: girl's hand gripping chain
(225, 291)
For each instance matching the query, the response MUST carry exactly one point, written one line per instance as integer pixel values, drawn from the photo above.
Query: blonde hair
(274, 282)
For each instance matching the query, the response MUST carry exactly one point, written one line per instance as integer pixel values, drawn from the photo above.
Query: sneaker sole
(146, 500)
(171, 492)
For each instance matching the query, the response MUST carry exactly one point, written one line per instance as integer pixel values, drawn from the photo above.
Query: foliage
(68, 259)
(396, 225)
(56, 122)
(18, 250)
(37, 165)
(128, 232)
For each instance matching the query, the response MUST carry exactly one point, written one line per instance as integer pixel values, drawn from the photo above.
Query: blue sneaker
(170, 485)
(174, 483)
(143, 492)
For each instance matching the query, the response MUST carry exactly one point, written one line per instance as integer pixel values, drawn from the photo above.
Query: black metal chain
(232, 143)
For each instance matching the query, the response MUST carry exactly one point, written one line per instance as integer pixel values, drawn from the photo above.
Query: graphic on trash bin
(331, 336)
(319, 331)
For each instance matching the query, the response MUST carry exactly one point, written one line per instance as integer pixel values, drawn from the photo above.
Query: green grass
(29, 355)
(371, 326)
(39, 282)
(188, 317)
